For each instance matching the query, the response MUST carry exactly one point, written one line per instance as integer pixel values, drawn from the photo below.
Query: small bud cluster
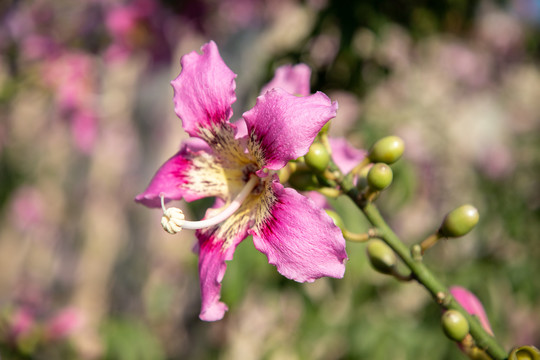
(372, 175)
(377, 175)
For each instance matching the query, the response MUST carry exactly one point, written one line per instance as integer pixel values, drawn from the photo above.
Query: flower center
(173, 220)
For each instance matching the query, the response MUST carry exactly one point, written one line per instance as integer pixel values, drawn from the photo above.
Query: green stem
(421, 273)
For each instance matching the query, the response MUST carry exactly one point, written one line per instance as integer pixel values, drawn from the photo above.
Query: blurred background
(86, 118)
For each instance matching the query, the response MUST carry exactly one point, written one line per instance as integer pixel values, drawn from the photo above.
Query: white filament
(173, 218)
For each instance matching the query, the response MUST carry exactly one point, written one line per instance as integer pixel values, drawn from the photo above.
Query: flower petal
(292, 79)
(282, 126)
(241, 129)
(216, 245)
(345, 155)
(318, 198)
(192, 173)
(472, 305)
(299, 238)
(204, 90)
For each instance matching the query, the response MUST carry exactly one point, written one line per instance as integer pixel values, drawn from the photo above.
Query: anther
(173, 220)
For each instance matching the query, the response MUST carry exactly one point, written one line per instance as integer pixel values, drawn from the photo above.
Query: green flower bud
(454, 324)
(387, 150)
(362, 177)
(317, 157)
(338, 221)
(285, 172)
(380, 176)
(325, 128)
(524, 353)
(459, 222)
(303, 180)
(381, 256)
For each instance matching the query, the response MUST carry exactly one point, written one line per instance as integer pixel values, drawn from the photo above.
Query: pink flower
(472, 305)
(63, 323)
(28, 208)
(137, 25)
(298, 237)
(295, 80)
(70, 76)
(345, 155)
(22, 322)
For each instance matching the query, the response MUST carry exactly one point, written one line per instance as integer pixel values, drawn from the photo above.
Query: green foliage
(130, 339)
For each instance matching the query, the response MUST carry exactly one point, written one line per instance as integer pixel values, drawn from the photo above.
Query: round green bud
(524, 353)
(381, 256)
(379, 176)
(325, 128)
(362, 177)
(317, 157)
(454, 324)
(387, 150)
(303, 180)
(460, 221)
(285, 172)
(338, 221)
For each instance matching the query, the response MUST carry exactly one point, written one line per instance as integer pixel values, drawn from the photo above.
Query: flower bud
(379, 177)
(317, 157)
(325, 128)
(459, 222)
(454, 324)
(387, 150)
(471, 304)
(303, 180)
(285, 172)
(338, 221)
(524, 353)
(362, 177)
(381, 256)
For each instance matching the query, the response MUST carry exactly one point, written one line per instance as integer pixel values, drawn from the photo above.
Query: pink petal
(22, 321)
(204, 90)
(283, 126)
(84, 129)
(292, 79)
(345, 155)
(472, 305)
(213, 252)
(241, 129)
(300, 239)
(318, 198)
(182, 175)
(63, 323)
